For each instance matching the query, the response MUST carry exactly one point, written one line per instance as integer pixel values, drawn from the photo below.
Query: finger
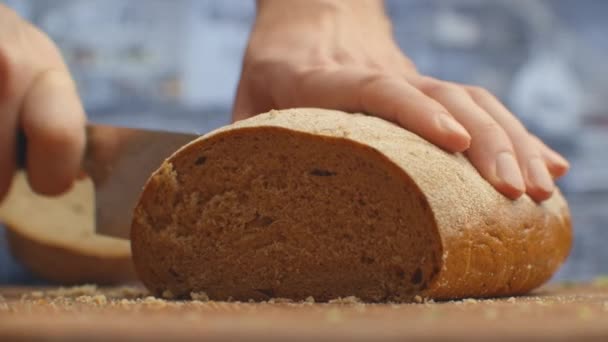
(8, 123)
(391, 98)
(539, 182)
(53, 121)
(249, 101)
(491, 149)
(557, 165)
(9, 107)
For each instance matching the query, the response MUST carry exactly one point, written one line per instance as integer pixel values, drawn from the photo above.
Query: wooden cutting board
(558, 312)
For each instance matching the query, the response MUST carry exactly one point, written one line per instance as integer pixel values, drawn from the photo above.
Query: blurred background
(175, 65)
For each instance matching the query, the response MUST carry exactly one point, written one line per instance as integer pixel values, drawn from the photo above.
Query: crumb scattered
(73, 292)
(152, 299)
(541, 301)
(167, 294)
(36, 294)
(345, 300)
(310, 300)
(279, 300)
(83, 299)
(511, 300)
(125, 302)
(154, 302)
(418, 299)
(3, 304)
(97, 299)
(100, 299)
(200, 296)
(127, 292)
(470, 301)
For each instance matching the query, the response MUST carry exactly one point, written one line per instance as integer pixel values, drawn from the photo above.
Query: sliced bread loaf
(311, 202)
(55, 237)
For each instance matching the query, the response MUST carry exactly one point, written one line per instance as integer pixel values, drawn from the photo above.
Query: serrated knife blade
(119, 160)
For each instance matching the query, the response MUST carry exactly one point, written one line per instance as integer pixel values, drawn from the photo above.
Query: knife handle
(21, 150)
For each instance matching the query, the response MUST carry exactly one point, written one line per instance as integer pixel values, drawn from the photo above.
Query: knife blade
(119, 160)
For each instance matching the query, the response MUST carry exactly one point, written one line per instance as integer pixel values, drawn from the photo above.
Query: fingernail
(558, 159)
(508, 171)
(539, 175)
(448, 123)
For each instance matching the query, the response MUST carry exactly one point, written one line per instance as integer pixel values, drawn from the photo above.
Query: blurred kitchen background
(175, 65)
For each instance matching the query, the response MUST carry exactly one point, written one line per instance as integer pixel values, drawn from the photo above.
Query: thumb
(250, 100)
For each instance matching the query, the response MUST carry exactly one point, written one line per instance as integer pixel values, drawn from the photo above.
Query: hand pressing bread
(335, 54)
(340, 54)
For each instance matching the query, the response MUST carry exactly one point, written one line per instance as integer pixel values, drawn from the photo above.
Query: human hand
(340, 54)
(38, 96)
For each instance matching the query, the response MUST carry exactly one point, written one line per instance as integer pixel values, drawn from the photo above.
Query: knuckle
(490, 126)
(378, 79)
(436, 88)
(375, 86)
(305, 73)
(343, 57)
(527, 148)
(479, 92)
(490, 129)
(377, 66)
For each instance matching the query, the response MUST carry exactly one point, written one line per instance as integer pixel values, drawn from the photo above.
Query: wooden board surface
(558, 312)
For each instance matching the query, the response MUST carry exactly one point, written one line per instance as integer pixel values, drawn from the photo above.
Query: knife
(119, 161)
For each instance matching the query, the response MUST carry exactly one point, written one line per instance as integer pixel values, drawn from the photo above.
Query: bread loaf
(55, 237)
(311, 202)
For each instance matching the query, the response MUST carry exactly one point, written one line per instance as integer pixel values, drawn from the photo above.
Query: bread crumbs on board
(74, 291)
(200, 296)
(345, 300)
(167, 294)
(3, 304)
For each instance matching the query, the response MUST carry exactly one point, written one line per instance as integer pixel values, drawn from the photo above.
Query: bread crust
(489, 245)
(62, 265)
(54, 237)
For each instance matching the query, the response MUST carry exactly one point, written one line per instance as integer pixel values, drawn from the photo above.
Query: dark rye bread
(311, 202)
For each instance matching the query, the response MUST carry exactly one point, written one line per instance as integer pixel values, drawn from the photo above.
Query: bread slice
(311, 202)
(55, 238)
